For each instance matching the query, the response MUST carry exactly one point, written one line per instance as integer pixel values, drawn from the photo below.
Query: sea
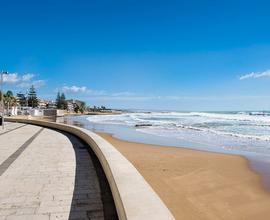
(245, 133)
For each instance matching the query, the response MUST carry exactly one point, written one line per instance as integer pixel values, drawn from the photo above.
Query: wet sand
(199, 185)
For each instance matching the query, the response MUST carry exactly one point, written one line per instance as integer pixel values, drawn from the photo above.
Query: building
(72, 104)
(51, 104)
(43, 103)
(78, 102)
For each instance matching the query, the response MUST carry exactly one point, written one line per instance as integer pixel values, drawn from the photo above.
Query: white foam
(243, 125)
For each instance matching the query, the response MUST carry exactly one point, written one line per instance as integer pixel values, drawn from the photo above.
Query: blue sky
(179, 55)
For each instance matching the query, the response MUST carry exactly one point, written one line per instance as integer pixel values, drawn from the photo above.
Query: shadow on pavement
(92, 197)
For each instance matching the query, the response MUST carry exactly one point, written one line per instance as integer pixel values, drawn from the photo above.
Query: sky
(144, 54)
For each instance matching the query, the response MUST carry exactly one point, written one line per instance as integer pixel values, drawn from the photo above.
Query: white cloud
(27, 77)
(123, 94)
(23, 85)
(35, 83)
(23, 81)
(39, 83)
(88, 94)
(74, 89)
(254, 75)
(11, 78)
(15, 77)
(84, 93)
(82, 89)
(96, 92)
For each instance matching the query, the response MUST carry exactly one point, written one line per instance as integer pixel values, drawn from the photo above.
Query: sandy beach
(199, 185)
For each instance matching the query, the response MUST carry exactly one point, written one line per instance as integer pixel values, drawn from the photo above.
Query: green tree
(82, 107)
(22, 99)
(64, 104)
(32, 97)
(76, 108)
(58, 100)
(9, 100)
(61, 102)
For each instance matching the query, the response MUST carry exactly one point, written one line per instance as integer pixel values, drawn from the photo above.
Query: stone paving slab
(10, 126)
(5, 165)
(10, 142)
(53, 178)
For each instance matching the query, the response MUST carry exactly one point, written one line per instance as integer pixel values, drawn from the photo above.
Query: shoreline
(197, 184)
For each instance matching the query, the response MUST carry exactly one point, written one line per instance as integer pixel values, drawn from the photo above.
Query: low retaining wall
(133, 197)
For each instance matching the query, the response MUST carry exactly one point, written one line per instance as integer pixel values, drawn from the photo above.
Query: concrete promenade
(46, 174)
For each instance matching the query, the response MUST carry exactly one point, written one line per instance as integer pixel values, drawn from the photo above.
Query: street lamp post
(2, 98)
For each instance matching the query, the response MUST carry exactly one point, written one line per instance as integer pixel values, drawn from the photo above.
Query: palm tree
(9, 100)
(82, 107)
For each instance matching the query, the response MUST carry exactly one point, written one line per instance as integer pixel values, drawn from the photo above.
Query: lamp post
(26, 98)
(2, 97)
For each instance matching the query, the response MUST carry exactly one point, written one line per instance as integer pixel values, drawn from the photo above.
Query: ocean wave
(242, 125)
(160, 130)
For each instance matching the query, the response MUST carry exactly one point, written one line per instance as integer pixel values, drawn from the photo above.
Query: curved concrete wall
(133, 197)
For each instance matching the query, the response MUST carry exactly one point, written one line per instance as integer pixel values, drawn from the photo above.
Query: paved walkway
(45, 174)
